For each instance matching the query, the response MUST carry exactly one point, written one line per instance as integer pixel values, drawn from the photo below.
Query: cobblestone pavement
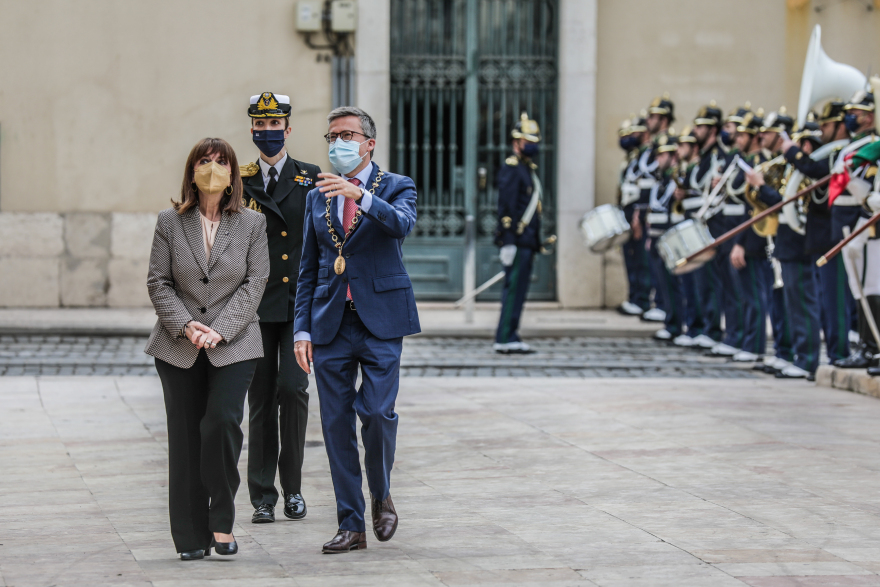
(422, 357)
(498, 481)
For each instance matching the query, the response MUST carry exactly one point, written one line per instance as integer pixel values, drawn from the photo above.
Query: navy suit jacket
(380, 287)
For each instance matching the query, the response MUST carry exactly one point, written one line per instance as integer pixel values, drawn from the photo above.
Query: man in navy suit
(354, 305)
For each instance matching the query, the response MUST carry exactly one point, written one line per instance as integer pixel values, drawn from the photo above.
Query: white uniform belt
(656, 232)
(691, 203)
(658, 218)
(734, 209)
(629, 193)
(846, 201)
(783, 219)
(676, 218)
(646, 183)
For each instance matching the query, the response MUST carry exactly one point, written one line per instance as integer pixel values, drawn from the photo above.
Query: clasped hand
(333, 185)
(202, 336)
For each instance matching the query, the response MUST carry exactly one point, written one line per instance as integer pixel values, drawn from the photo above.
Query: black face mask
(530, 149)
(726, 138)
(851, 122)
(629, 142)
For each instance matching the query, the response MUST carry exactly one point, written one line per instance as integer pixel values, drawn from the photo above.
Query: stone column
(372, 70)
(580, 274)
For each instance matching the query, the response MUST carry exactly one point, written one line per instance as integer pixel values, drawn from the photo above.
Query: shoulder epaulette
(872, 171)
(513, 161)
(248, 170)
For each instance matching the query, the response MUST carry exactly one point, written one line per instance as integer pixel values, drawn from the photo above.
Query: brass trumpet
(775, 177)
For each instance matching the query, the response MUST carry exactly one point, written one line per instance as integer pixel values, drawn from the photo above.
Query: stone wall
(77, 259)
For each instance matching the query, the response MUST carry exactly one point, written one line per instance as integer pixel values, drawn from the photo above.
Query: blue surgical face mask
(726, 138)
(851, 122)
(345, 156)
(530, 149)
(269, 142)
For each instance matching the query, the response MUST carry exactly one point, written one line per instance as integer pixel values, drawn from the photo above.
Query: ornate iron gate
(512, 45)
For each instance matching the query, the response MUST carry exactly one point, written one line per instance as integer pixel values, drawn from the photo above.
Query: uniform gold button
(285, 280)
(283, 233)
(284, 257)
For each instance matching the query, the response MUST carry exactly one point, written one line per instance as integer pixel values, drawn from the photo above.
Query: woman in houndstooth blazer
(208, 270)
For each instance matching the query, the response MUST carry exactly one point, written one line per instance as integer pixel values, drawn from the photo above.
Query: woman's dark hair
(189, 194)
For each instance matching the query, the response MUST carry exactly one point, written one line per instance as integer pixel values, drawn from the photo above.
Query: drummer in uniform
(798, 270)
(846, 210)
(687, 159)
(835, 304)
(660, 207)
(635, 257)
(276, 185)
(661, 114)
(519, 230)
(707, 284)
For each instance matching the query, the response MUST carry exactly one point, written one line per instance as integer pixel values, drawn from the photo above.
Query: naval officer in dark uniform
(276, 185)
(519, 230)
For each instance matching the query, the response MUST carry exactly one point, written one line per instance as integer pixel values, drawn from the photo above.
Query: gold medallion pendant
(339, 265)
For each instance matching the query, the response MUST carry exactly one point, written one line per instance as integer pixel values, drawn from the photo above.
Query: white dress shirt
(365, 204)
(265, 167)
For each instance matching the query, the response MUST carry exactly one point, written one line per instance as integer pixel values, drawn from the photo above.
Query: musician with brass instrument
(727, 211)
(634, 141)
(813, 161)
(846, 211)
(711, 158)
(799, 279)
(660, 204)
(748, 254)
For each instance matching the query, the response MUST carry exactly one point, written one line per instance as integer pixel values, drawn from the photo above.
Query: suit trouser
(755, 305)
(336, 370)
(842, 216)
(205, 406)
(638, 273)
(669, 290)
(517, 278)
(779, 317)
(708, 290)
(732, 299)
(802, 301)
(279, 387)
(833, 292)
(693, 312)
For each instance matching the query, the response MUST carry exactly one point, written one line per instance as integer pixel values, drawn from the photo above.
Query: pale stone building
(101, 101)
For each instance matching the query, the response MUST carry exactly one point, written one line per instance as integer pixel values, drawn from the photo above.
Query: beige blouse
(209, 231)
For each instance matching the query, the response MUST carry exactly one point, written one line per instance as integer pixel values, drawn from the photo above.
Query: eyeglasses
(345, 135)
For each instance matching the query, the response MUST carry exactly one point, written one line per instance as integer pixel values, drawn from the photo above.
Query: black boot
(864, 354)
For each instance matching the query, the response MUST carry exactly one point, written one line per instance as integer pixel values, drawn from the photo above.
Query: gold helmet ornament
(526, 128)
(269, 105)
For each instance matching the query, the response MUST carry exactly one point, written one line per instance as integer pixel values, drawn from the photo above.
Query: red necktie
(348, 212)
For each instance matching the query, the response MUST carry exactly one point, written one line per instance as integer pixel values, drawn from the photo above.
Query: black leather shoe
(344, 541)
(860, 359)
(265, 514)
(294, 506)
(384, 518)
(874, 371)
(225, 548)
(193, 555)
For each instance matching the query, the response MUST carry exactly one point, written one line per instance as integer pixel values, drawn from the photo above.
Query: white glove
(507, 254)
(859, 188)
(873, 202)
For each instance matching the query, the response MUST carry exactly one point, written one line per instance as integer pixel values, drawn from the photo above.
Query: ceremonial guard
(710, 159)
(276, 185)
(798, 270)
(519, 230)
(635, 258)
(846, 211)
(686, 154)
(658, 217)
(834, 302)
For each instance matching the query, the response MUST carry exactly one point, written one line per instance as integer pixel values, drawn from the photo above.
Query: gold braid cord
(339, 264)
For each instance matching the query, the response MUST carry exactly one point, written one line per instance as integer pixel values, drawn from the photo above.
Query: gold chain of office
(339, 264)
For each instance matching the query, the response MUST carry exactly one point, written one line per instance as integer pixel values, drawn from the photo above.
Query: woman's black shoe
(225, 548)
(193, 555)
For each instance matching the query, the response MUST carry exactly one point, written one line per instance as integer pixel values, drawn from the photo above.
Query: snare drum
(604, 227)
(682, 240)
